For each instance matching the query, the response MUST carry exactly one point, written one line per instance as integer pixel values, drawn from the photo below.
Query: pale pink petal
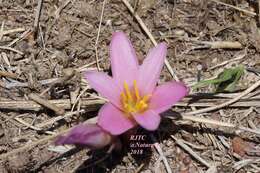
(89, 135)
(149, 71)
(166, 95)
(124, 61)
(149, 120)
(113, 120)
(105, 86)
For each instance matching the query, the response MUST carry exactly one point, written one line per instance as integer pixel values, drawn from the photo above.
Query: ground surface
(49, 60)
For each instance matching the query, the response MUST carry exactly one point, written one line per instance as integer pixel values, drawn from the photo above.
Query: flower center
(132, 101)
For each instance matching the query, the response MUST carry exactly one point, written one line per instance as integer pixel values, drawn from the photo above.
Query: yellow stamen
(132, 101)
(136, 91)
(123, 96)
(146, 98)
(128, 93)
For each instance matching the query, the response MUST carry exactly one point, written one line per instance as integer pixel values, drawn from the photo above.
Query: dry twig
(7, 74)
(218, 45)
(12, 31)
(247, 91)
(47, 104)
(191, 152)
(11, 49)
(90, 103)
(236, 8)
(31, 126)
(258, 11)
(37, 16)
(238, 57)
(99, 29)
(58, 11)
(219, 123)
(159, 150)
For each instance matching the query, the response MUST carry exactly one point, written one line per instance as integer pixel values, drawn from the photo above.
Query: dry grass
(45, 46)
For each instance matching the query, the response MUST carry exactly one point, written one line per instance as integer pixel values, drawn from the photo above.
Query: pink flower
(133, 95)
(89, 135)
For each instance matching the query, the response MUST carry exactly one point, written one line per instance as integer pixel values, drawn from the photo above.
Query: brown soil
(65, 42)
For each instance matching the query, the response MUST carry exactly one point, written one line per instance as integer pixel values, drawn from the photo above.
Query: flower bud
(86, 135)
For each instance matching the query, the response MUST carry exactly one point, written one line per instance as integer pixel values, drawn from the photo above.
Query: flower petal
(124, 61)
(113, 120)
(149, 120)
(150, 70)
(89, 135)
(105, 86)
(166, 95)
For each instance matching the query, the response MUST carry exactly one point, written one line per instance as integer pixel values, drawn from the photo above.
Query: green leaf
(226, 81)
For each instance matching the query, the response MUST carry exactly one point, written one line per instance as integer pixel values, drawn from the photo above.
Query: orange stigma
(132, 101)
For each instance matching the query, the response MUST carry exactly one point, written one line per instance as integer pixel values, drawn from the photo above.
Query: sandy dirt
(47, 59)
